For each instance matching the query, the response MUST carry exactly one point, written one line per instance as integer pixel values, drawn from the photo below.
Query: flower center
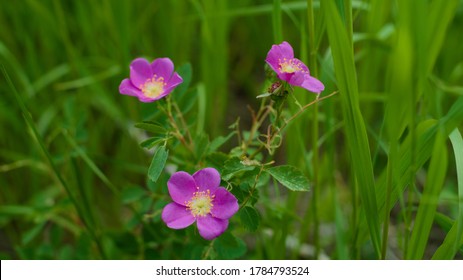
(201, 203)
(289, 65)
(153, 87)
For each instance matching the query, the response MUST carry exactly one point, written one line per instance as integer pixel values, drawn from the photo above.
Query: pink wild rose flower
(199, 198)
(281, 59)
(150, 81)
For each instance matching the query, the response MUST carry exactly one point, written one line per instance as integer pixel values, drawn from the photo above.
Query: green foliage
(343, 58)
(376, 153)
(158, 162)
(152, 127)
(290, 177)
(250, 218)
(428, 202)
(228, 247)
(233, 166)
(454, 238)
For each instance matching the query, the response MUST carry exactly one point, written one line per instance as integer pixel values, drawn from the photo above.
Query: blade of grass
(457, 144)
(429, 199)
(276, 21)
(426, 133)
(454, 237)
(89, 162)
(30, 123)
(315, 129)
(214, 54)
(400, 110)
(362, 168)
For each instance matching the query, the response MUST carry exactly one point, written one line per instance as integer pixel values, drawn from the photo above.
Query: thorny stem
(177, 133)
(208, 251)
(275, 131)
(257, 121)
(251, 192)
(182, 119)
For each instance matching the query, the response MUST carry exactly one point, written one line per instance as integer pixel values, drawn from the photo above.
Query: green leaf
(217, 160)
(185, 72)
(218, 142)
(29, 235)
(290, 177)
(16, 210)
(158, 163)
(229, 247)
(150, 126)
(151, 142)
(234, 166)
(250, 218)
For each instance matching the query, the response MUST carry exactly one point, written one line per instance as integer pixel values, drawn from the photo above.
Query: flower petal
(163, 67)
(207, 179)
(302, 65)
(297, 79)
(273, 61)
(174, 81)
(286, 77)
(277, 53)
(286, 50)
(312, 84)
(140, 71)
(210, 227)
(225, 204)
(181, 187)
(126, 87)
(177, 216)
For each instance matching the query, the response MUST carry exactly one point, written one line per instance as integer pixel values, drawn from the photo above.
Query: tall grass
(383, 155)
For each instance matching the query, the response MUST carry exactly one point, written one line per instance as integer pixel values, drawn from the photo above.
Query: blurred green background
(67, 58)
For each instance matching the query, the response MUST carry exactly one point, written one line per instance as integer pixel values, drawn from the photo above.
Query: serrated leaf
(229, 247)
(250, 218)
(153, 127)
(158, 163)
(234, 166)
(290, 177)
(217, 160)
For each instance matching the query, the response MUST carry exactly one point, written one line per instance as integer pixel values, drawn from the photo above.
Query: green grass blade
(30, 123)
(214, 62)
(429, 199)
(425, 135)
(452, 242)
(354, 124)
(457, 143)
(440, 15)
(276, 21)
(90, 163)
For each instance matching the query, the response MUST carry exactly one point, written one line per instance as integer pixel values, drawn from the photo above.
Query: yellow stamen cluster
(289, 65)
(201, 203)
(153, 87)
